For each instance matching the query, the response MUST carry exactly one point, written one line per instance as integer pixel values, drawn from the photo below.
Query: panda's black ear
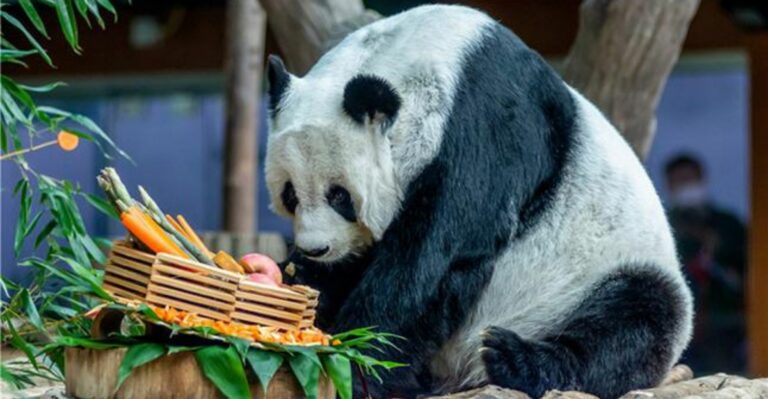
(278, 79)
(369, 98)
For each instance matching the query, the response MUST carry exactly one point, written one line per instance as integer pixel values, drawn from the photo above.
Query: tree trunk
(246, 25)
(623, 53)
(305, 29)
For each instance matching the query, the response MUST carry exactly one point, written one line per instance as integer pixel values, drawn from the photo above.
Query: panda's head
(328, 165)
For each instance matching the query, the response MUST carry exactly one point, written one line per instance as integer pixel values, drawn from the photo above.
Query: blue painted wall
(176, 141)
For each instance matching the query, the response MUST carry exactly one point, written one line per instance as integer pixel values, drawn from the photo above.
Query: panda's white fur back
(605, 197)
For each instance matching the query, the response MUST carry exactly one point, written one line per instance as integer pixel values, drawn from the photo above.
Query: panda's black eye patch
(341, 202)
(288, 196)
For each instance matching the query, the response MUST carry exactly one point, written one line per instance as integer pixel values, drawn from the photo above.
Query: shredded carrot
(136, 222)
(67, 141)
(305, 336)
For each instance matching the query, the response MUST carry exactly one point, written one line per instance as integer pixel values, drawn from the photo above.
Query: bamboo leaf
(66, 16)
(33, 16)
(82, 8)
(264, 364)
(44, 233)
(16, 23)
(180, 349)
(102, 205)
(339, 369)
(44, 88)
(137, 356)
(225, 371)
(30, 309)
(306, 368)
(109, 7)
(20, 344)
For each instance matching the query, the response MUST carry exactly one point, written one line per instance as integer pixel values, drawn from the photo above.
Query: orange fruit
(67, 141)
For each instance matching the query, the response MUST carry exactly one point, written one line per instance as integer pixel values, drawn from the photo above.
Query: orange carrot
(193, 236)
(148, 232)
(152, 225)
(176, 226)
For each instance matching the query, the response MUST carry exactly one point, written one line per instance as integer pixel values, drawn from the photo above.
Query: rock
(678, 373)
(555, 394)
(486, 392)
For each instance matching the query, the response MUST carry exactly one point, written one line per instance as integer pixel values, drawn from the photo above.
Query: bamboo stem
(12, 154)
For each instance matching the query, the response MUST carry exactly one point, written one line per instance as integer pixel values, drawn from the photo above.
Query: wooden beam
(758, 240)
(246, 24)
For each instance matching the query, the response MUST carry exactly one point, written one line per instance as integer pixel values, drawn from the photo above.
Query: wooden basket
(127, 272)
(286, 307)
(194, 287)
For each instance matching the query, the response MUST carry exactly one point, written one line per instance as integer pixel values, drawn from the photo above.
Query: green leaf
(339, 369)
(225, 371)
(69, 341)
(82, 8)
(108, 6)
(66, 16)
(137, 356)
(306, 368)
(264, 364)
(15, 22)
(102, 205)
(179, 349)
(240, 345)
(44, 233)
(20, 344)
(30, 309)
(44, 88)
(33, 16)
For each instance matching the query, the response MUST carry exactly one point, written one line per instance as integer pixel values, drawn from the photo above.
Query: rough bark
(246, 25)
(622, 56)
(304, 30)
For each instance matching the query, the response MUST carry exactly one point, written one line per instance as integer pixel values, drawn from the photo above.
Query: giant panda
(445, 185)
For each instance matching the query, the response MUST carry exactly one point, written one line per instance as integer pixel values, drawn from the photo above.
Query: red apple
(263, 264)
(262, 279)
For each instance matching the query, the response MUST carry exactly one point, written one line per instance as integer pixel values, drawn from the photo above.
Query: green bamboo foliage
(63, 284)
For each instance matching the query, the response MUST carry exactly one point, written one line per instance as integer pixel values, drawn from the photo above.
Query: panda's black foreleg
(620, 338)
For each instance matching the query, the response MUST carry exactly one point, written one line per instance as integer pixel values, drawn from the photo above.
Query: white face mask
(690, 195)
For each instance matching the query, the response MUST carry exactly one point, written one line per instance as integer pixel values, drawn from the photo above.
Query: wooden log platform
(92, 374)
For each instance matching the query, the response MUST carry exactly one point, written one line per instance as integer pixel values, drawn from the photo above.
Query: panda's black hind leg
(621, 337)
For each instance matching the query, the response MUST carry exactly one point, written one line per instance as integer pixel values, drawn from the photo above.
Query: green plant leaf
(20, 344)
(108, 6)
(69, 341)
(102, 205)
(306, 367)
(224, 369)
(33, 16)
(180, 349)
(44, 233)
(15, 22)
(240, 345)
(264, 364)
(137, 356)
(30, 309)
(44, 88)
(68, 23)
(82, 8)
(339, 369)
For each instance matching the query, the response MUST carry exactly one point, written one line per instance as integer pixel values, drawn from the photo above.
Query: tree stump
(92, 374)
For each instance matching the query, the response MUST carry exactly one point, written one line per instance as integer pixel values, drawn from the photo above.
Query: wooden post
(623, 53)
(758, 240)
(246, 25)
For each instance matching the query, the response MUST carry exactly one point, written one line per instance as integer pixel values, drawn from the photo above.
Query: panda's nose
(315, 252)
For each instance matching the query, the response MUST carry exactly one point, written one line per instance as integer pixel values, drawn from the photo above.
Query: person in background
(711, 243)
